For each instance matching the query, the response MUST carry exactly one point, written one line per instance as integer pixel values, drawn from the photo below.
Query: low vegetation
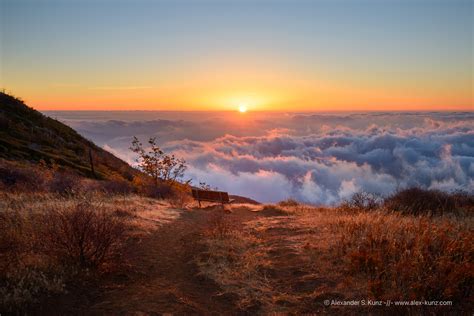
(288, 202)
(85, 235)
(48, 241)
(414, 258)
(235, 260)
(417, 201)
(297, 256)
(45, 177)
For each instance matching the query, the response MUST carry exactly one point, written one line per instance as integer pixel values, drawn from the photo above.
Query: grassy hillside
(29, 136)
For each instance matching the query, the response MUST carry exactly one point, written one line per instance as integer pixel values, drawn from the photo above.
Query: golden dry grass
(296, 256)
(276, 258)
(38, 235)
(234, 260)
(409, 257)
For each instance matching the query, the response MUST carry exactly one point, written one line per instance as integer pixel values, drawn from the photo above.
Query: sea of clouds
(320, 158)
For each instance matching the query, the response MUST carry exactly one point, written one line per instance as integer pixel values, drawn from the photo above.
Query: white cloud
(314, 158)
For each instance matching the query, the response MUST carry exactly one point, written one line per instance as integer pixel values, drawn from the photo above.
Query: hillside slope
(29, 136)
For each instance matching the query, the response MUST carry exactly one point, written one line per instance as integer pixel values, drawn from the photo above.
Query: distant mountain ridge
(29, 136)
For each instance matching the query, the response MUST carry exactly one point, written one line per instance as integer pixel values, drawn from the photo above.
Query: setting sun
(242, 108)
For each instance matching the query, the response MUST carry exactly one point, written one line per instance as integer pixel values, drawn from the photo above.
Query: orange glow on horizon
(322, 101)
(268, 90)
(224, 83)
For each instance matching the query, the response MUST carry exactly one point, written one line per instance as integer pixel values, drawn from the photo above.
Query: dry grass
(296, 256)
(288, 258)
(180, 197)
(41, 177)
(247, 261)
(288, 203)
(46, 240)
(289, 209)
(405, 257)
(235, 260)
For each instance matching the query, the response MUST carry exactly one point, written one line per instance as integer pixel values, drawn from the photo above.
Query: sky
(219, 55)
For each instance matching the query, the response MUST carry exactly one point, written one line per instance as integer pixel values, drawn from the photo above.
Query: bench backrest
(214, 196)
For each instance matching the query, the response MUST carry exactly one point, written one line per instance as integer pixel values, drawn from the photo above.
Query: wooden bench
(211, 196)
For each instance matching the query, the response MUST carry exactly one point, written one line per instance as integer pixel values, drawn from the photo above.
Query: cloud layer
(316, 158)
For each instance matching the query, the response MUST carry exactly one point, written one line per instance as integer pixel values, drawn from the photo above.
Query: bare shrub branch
(85, 235)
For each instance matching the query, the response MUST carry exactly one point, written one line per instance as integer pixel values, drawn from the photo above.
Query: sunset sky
(219, 55)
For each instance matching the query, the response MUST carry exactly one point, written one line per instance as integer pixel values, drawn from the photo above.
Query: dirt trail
(165, 279)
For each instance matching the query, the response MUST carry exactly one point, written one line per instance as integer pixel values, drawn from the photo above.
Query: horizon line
(265, 111)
